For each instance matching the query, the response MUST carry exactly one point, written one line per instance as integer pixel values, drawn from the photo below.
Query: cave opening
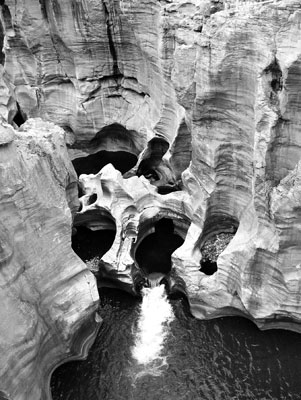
(93, 235)
(217, 234)
(113, 144)
(19, 118)
(154, 252)
(208, 267)
(90, 245)
(148, 167)
(92, 164)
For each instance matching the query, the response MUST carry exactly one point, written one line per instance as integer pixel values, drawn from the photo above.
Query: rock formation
(197, 105)
(245, 146)
(135, 206)
(48, 297)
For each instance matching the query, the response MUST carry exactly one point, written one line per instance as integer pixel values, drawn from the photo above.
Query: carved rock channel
(176, 111)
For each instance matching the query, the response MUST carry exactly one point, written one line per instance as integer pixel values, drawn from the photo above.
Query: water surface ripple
(222, 359)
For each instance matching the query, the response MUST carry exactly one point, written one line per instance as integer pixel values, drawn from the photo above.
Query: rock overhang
(221, 89)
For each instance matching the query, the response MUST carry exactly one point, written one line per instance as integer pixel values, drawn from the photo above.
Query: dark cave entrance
(154, 252)
(113, 144)
(208, 267)
(92, 164)
(89, 244)
(19, 118)
(93, 236)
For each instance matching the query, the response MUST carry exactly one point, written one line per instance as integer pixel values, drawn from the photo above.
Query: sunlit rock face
(245, 152)
(86, 65)
(48, 297)
(102, 70)
(134, 206)
(196, 105)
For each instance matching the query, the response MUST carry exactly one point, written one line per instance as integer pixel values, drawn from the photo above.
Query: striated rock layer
(135, 206)
(197, 104)
(246, 149)
(48, 297)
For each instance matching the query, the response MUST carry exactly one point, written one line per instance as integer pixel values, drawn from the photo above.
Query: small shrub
(93, 264)
(214, 246)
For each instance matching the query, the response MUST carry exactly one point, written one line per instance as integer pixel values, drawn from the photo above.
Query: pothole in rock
(91, 245)
(92, 164)
(154, 251)
(211, 249)
(113, 144)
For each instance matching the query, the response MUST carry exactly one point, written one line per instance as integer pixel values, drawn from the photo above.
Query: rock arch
(113, 144)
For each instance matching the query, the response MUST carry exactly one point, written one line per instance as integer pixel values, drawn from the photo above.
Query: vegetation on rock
(93, 264)
(214, 246)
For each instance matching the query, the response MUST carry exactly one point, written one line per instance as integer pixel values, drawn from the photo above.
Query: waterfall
(152, 329)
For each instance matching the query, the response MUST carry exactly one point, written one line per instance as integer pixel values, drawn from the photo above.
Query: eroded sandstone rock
(217, 86)
(134, 205)
(244, 142)
(48, 297)
(238, 85)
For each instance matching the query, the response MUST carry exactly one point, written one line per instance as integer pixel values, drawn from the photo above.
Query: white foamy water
(153, 327)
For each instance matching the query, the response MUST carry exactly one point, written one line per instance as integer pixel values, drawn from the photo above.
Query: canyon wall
(246, 149)
(205, 94)
(48, 297)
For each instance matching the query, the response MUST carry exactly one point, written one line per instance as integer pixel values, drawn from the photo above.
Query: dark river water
(222, 359)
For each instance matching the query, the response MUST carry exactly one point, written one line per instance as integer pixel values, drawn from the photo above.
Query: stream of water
(155, 350)
(152, 331)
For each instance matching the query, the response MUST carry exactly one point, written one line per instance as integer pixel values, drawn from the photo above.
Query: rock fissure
(110, 35)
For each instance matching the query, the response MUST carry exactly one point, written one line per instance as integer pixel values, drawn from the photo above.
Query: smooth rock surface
(237, 79)
(206, 95)
(7, 134)
(245, 142)
(135, 206)
(48, 297)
